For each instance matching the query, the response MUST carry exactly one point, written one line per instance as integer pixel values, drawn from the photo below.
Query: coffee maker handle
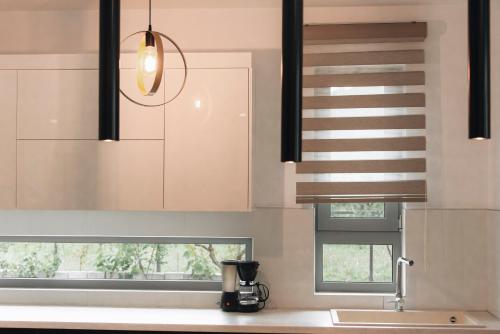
(263, 294)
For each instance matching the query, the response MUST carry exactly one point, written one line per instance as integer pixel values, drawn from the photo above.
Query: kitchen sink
(409, 318)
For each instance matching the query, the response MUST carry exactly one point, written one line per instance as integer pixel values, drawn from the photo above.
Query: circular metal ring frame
(183, 61)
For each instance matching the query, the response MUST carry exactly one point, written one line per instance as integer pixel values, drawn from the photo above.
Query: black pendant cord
(150, 41)
(150, 26)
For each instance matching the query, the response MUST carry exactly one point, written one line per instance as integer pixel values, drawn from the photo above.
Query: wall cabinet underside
(190, 155)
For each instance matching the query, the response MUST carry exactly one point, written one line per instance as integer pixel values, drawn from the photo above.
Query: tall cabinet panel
(87, 174)
(8, 92)
(207, 141)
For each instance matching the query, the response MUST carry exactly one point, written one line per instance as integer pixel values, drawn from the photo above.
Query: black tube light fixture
(291, 81)
(109, 70)
(479, 69)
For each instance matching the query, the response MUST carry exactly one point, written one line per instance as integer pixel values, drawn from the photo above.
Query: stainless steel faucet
(399, 299)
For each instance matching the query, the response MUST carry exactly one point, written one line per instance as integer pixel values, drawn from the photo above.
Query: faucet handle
(406, 261)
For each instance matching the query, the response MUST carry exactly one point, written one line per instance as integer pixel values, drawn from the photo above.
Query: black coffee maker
(240, 291)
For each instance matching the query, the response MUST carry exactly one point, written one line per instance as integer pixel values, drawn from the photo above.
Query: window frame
(357, 231)
(122, 284)
(389, 223)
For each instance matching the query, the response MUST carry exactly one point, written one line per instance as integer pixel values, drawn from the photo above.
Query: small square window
(357, 247)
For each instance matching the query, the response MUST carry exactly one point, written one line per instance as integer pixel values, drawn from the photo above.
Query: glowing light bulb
(149, 63)
(149, 67)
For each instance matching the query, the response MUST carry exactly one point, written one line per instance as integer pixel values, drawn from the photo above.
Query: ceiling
(28, 5)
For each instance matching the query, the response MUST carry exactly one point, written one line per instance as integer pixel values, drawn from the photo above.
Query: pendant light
(149, 60)
(150, 63)
(291, 91)
(109, 72)
(479, 69)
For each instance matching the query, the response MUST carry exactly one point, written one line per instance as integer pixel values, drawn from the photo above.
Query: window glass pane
(132, 261)
(357, 263)
(382, 263)
(357, 210)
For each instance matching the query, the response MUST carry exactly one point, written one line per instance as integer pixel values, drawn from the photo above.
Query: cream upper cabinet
(207, 141)
(194, 154)
(138, 122)
(87, 174)
(8, 92)
(58, 104)
(64, 104)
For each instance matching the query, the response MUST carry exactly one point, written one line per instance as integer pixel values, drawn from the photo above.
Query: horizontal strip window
(144, 263)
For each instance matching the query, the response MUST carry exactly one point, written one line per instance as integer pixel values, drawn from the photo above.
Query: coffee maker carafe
(240, 291)
(230, 286)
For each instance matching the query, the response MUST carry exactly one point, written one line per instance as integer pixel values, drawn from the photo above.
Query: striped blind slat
(416, 165)
(364, 123)
(349, 154)
(364, 79)
(365, 58)
(402, 188)
(364, 33)
(365, 144)
(364, 101)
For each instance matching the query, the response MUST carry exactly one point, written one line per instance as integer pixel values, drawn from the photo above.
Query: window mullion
(371, 263)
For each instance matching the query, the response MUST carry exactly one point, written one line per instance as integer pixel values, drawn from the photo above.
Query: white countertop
(199, 320)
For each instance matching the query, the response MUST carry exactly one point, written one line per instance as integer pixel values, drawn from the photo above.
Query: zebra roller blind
(364, 113)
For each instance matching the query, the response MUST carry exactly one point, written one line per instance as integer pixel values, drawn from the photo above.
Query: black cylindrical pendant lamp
(291, 88)
(479, 69)
(109, 71)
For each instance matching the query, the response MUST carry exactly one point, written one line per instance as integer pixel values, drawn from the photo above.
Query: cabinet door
(207, 141)
(138, 122)
(64, 104)
(58, 104)
(87, 174)
(8, 88)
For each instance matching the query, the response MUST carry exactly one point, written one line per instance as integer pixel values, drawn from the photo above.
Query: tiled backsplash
(450, 249)
(493, 264)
